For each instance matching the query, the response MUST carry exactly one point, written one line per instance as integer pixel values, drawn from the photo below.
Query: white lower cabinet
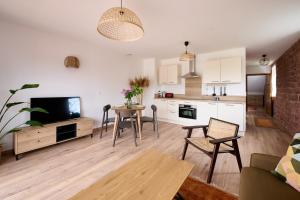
(172, 110)
(232, 112)
(162, 111)
(206, 110)
(168, 110)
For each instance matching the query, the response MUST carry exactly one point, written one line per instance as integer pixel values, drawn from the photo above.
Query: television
(59, 109)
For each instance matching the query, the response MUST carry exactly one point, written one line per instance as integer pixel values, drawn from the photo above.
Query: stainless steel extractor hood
(192, 71)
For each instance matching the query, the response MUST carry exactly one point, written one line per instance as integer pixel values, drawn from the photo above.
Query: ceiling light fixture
(120, 24)
(264, 60)
(186, 56)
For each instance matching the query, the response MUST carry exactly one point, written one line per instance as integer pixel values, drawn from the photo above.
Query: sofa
(258, 183)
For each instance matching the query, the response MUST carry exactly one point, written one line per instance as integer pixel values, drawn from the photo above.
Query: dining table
(133, 108)
(152, 175)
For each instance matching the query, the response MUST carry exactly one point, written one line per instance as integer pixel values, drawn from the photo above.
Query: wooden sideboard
(32, 138)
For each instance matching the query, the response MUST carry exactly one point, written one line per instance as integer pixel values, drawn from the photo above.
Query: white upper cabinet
(168, 74)
(231, 70)
(225, 70)
(211, 71)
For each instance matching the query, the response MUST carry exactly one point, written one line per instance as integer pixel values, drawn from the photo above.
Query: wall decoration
(72, 61)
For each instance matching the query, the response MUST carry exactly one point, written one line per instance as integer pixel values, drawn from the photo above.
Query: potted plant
(130, 93)
(141, 82)
(6, 108)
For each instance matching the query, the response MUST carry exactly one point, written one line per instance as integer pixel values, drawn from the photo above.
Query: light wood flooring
(59, 172)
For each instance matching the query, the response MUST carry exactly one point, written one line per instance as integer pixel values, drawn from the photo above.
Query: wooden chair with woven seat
(219, 137)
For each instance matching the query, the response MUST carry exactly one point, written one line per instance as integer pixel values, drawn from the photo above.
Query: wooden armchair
(219, 137)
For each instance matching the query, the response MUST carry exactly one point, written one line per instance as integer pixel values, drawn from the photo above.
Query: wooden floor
(61, 171)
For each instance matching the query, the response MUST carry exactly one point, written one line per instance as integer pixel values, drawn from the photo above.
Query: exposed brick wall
(287, 103)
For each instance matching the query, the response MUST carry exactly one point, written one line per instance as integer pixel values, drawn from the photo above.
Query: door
(206, 110)
(231, 70)
(211, 71)
(232, 112)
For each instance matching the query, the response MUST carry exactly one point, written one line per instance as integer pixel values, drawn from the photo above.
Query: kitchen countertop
(228, 99)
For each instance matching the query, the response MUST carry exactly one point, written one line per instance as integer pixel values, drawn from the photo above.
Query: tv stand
(32, 138)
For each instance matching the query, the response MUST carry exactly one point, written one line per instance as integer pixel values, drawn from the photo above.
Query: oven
(187, 111)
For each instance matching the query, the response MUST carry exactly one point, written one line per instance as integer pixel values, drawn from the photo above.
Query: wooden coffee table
(151, 176)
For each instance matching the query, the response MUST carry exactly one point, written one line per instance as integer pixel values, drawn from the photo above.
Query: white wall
(256, 85)
(31, 56)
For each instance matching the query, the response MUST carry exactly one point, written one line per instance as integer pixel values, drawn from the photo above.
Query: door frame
(257, 74)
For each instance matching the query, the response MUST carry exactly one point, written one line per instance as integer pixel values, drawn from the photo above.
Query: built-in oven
(188, 111)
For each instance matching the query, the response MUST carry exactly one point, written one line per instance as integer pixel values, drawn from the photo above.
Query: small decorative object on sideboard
(72, 61)
(8, 105)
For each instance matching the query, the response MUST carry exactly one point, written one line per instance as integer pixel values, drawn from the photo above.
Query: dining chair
(219, 137)
(106, 119)
(126, 120)
(152, 120)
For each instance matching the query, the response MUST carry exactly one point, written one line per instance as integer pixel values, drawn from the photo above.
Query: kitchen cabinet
(231, 70)
(225, 70)
(162, 111)
(168, 74)
(172, 107)
(168, 110)
(211, 71)
(232, 112)
(206, 110)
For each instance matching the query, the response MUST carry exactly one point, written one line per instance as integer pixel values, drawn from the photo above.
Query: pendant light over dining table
(122, 24)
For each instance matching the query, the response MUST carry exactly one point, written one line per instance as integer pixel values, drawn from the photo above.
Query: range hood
(192, 71)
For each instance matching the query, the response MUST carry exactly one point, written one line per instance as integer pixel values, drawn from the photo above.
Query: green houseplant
(5, 108)
(130, 93)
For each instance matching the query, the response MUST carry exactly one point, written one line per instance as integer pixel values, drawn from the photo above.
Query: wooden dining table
(150, 176)
(134, 108)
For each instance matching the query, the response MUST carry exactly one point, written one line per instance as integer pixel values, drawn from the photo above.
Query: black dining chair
(106, 119)
(152, 120)
(126, 120)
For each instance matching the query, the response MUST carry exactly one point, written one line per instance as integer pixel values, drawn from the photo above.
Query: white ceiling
(262, 26)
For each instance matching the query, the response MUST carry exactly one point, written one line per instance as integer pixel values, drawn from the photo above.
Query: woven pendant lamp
(120, 24)
(186, 56)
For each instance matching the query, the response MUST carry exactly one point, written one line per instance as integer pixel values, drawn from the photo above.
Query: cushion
(288, 168)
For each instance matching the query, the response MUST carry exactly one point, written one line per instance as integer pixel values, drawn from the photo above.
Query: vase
(129, 103)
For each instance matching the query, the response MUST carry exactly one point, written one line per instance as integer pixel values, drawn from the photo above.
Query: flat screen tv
(59, 108)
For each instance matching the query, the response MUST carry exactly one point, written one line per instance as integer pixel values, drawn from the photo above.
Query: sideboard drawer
(35, 143)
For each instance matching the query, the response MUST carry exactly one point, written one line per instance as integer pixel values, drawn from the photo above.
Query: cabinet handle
(212, 103)
(226, 81)
(39, 140)
(215, 81)
(229, 104)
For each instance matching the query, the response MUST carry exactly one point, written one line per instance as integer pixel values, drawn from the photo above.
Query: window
(273, 82)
